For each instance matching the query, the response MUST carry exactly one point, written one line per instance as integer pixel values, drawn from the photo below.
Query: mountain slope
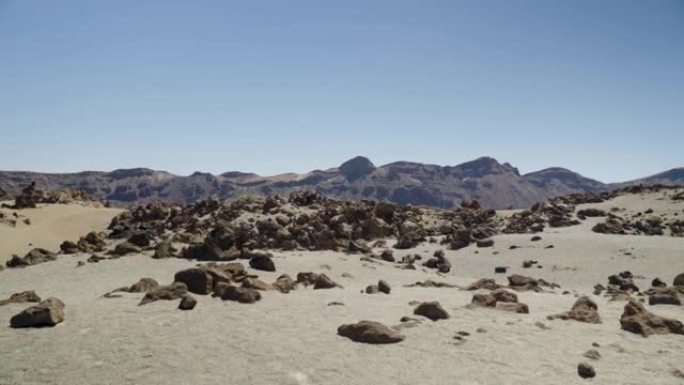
(494, 184)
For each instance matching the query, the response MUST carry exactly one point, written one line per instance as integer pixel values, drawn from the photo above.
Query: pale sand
(291, 338)
(50, 226)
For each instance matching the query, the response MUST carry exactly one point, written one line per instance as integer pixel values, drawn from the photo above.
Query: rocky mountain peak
(356, 168)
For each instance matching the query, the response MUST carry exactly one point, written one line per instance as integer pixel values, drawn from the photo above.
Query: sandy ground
(50, 226)
(291, 338)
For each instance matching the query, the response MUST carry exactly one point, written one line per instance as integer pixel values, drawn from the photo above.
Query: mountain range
(494, 184)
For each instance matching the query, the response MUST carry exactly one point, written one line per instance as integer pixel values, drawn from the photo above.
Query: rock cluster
(637, 319)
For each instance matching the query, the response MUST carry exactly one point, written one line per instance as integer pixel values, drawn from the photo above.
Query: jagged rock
(324, 282)
(584, 310)
(143, 286)
(257, 284)
(585, 370)
(33, 257)
(164, 250)
(125, 248)
(370, 332)
(240, 294)
(24, 296)
(197, 280)
(188, 302)
(49, 312)
(431, 310)
(285, 283)
(171, 292)
(637, 319)
(522, 283)
(262, 262)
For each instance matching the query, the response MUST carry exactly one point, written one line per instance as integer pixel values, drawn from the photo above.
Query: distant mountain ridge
(494, 184)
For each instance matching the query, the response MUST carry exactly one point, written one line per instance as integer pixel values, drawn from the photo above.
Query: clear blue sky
(275, 86)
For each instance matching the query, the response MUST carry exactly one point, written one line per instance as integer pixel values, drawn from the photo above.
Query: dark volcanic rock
(47, 313)
(197, 280)
(262, 262)
(33, 257)
(431, 310)
(188, 302)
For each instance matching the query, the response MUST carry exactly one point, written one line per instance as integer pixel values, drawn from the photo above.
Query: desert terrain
(292, 338)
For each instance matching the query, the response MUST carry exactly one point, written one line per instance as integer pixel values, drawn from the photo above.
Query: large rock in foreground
(370, 332)
(637, 319)
(47, 313)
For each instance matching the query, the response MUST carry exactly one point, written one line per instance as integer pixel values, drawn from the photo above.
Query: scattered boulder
(370, 332)
(171, 292)
(197, 280)
(637, 319)
(372, 289)
(500, 270)
(164, 250)
(431, 310)
(584, 310)
(384, 287)
(240, 294)
(124, 248)
(484, 283)
(679, 280)
(439, 262)
(387, 256)
(49, 312)
(285, 283)
(324, 282)
(665, 299)
(188, 302)
(24, 296)
(33, 257)
(262, 262)
(143, 286)
(485, 243)
(585, 370)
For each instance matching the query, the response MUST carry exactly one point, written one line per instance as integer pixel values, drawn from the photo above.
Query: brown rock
(324, 282)
(171, 292)
(584, 310)
(240, 294)
(143, 286)
(197, 280)
(431, 310)
(188, 302)
(585, 370)
(637, 319)
(33, 257)
(370, 332)
(47, 313)
(24, 296)
(285, 283)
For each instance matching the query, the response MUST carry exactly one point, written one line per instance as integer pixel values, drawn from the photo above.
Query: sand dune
(50, 225)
